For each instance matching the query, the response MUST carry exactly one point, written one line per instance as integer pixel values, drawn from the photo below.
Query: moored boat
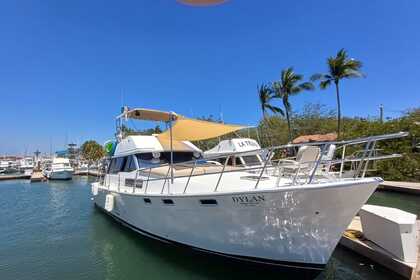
(59, 169)
(288, 213)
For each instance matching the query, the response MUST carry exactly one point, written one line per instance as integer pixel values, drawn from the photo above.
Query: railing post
(343, 154)
(135, 181)
(359, 167)
(265, 165)
(147, 182)
(223, 170)
(119, 181)
(367, 161)
(188, 181)
(164, 182)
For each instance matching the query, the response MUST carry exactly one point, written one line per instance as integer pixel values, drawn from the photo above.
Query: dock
(402, 187)
(370, 250)
(37, 176)
(14, 177)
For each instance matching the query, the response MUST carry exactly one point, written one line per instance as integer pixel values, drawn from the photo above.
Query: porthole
(147, 200)
(208, 201)
(168, 201)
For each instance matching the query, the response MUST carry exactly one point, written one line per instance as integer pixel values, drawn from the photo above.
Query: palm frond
(316, 77)
(307, 86)
(324, 84)
(275, 109)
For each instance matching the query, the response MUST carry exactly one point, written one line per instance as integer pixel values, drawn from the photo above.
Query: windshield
(251, 160)
(148, 160)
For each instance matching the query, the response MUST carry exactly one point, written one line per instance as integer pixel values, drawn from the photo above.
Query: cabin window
(147, 200)
(230, 161)
(177, 156)
(130, 164)
(112, 166)
(147, 159)
(208, 201)
(251, 160)
(120, 164)
(168, 201)
(117, 165)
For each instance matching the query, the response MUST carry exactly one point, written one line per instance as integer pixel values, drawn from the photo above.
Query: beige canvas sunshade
(149, 115)
(185, 129)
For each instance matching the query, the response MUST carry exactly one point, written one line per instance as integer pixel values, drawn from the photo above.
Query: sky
(66, 67)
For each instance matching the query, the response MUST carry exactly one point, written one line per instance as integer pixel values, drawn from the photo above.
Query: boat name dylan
(248, 199)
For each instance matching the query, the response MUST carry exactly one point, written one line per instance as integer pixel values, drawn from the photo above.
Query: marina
(69, 238)
(209, 140)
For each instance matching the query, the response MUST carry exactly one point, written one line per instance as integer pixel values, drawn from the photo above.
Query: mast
(172, 150)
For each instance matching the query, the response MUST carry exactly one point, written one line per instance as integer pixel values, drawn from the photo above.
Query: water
(53, 231)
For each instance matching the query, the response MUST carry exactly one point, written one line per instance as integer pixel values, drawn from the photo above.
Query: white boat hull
(60, 175)
(292, 226)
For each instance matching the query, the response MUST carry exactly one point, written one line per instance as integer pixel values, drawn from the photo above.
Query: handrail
(268, 164)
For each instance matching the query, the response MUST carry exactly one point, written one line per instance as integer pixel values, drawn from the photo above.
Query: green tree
(290, 84)
(92, 151)
(265, 96)
(339, 67)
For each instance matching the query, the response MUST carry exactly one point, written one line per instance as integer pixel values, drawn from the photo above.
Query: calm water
(52, 231)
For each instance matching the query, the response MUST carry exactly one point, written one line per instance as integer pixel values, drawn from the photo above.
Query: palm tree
(339, 67)
(288, 86)
(265, 95)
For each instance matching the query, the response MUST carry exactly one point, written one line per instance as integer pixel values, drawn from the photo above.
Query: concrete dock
(37, 176)
(14, 177)
(403, 187)
(373, 252)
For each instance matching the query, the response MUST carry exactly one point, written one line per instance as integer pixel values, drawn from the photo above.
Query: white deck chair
(303, 164)
(327, 157)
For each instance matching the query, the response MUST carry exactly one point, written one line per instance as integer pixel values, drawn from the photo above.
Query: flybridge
(181, 128)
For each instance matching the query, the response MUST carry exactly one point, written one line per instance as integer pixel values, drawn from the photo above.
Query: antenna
(381, 113)
(221, 113)
(122, 97)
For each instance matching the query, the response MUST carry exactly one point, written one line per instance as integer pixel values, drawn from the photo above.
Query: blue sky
(64, 64)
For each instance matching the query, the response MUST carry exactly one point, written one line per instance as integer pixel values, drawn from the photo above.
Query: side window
(120, 164)
(130, 164)
(145, 160)
(111, 168)
(127, 163)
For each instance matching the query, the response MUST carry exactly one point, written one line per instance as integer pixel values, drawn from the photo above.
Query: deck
(375, 253)
(403, 187)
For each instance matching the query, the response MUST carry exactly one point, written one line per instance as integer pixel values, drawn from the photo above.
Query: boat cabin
(142, 152)
(249, 148)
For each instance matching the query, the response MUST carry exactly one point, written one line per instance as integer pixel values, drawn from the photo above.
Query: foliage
(290, 84)
(316, 119)
(149, 131)
(265, 94)
(92, 151)
(339, 67)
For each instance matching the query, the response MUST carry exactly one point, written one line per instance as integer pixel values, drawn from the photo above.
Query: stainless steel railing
(312, 167)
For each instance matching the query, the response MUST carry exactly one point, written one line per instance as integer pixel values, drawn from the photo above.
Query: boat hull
(295, 227)
(60, 175)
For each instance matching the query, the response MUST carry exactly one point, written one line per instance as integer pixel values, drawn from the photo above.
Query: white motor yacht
(288, 213)
(26, 165)
(59, 169)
